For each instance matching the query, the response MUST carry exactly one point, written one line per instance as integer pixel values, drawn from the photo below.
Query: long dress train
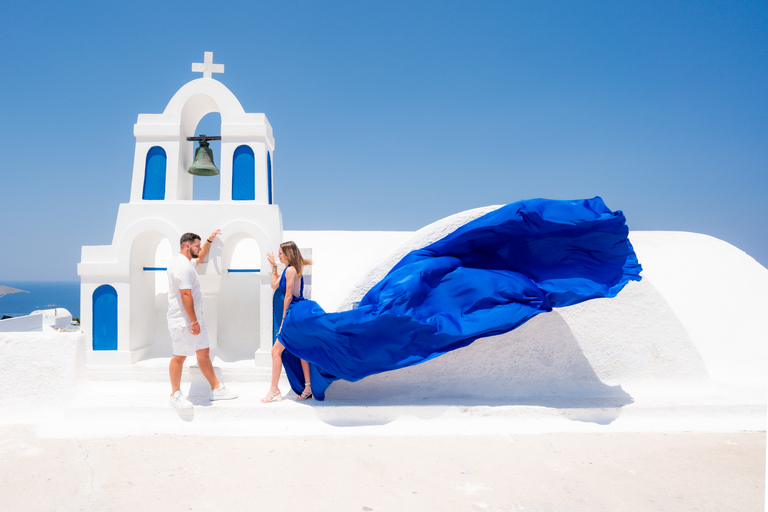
(487, 277)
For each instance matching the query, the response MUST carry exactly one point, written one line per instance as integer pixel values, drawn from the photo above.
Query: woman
(292, 280)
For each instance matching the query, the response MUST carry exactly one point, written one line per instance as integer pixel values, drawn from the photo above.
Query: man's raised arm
(206, 246)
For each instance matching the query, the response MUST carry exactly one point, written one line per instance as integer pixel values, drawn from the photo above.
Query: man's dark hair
(189, 237)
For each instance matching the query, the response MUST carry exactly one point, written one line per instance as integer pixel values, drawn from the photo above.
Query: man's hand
(188, 302)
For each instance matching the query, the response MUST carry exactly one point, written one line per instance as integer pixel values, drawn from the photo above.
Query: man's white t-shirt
(182, 276)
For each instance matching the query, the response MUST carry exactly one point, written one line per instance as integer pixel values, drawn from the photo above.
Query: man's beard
(194, 254)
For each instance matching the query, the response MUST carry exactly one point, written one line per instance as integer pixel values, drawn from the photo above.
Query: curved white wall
(698, 315)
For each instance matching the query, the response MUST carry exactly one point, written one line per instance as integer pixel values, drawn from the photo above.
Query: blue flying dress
(486, 278)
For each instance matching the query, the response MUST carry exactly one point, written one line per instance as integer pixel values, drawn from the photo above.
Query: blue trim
(154, 174)
(104, 318)
(243, 174)
(269, 178)
(163, 269)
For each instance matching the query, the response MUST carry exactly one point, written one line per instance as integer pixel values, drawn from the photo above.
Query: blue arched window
(154, 174)
(269, 177)
(105, 318)
(243, 174)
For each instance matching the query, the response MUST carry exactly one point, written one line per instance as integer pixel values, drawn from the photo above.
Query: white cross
(207, 67)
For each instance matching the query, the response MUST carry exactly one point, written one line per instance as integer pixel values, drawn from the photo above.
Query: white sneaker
(179, 402)
(222, 393)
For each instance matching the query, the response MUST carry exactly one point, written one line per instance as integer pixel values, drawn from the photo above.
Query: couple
(187, 328)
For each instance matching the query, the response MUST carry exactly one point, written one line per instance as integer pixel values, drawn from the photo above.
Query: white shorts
(186, 344)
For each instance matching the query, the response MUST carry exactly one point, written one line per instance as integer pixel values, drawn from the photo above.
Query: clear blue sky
(390, 115)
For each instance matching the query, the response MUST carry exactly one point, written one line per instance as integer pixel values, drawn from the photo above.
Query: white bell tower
(123, 291)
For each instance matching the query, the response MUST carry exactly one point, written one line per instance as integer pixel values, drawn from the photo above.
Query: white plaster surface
(615, 404)
(340, 258)
(718, 293)
(38, 321)
(638, 362)
(40, 370)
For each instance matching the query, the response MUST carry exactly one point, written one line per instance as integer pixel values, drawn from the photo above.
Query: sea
(42, 295)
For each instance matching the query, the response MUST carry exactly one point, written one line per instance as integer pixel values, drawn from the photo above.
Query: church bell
(203, 164)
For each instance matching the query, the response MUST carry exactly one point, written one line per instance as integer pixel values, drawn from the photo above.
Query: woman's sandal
(272, 397)
(306, 394)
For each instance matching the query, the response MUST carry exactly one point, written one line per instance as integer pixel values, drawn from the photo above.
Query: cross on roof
(207, 67)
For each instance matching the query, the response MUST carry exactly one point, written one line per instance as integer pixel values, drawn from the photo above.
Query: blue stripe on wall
(269, 177)
(163, 269)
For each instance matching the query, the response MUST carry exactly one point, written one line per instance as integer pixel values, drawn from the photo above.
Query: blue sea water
(42, 295)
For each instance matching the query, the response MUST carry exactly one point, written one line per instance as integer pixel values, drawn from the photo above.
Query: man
(185, 319)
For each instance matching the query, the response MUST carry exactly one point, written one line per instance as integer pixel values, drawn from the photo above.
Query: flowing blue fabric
(486, 278)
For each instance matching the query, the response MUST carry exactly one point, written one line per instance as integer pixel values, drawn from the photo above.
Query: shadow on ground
(538, 365)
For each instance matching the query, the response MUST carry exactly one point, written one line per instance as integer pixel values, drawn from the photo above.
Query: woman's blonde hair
(294, 257)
